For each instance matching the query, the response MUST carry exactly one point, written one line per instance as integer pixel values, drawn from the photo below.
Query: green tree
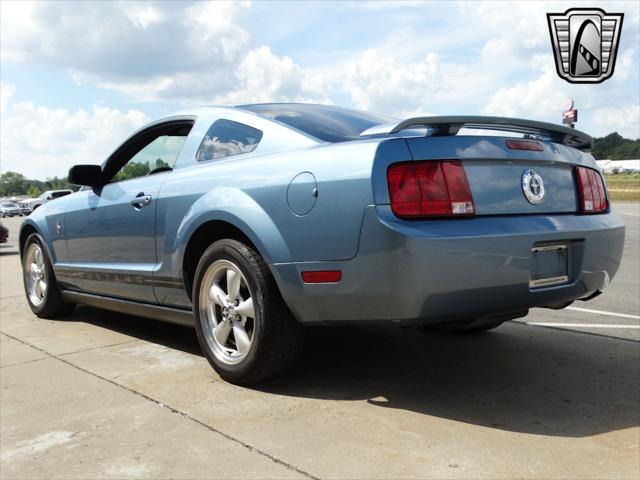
(615, 147)
(161, 164)
(34, 191)
(132, 170)
(12, 183)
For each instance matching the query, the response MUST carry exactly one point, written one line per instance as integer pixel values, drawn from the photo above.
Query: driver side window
(158, 156)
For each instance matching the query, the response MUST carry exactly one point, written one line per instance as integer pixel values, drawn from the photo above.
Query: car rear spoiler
(450, 125)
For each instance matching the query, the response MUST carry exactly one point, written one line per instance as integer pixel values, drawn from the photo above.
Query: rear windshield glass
(324, 122)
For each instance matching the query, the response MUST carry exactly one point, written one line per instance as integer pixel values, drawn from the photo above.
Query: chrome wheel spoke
(36, 289)
(221, 332)
(217, 295)
(33, 269)
(233, 284)
(43, 288)
(243, 342)
(38, 257)
(246, 308)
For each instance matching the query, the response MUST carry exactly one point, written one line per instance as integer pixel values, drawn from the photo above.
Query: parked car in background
(9, 209)
(24, 206)
(30, 205)
(249, 222)
(4, 233)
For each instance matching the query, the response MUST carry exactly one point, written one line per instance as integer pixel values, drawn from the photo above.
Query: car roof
(318, 122)
(328, 123)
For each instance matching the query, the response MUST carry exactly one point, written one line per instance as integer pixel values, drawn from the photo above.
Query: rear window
(226, 138)
(324, 122)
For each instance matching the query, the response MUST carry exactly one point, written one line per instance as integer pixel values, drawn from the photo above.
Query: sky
(78, 77)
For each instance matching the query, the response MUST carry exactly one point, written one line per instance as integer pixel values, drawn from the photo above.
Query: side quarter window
(226, 138)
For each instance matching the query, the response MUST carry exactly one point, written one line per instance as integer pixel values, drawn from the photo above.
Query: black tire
(52, 305)
(277, 337)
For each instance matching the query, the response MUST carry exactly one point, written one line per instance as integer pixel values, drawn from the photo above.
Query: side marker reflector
(322, 276)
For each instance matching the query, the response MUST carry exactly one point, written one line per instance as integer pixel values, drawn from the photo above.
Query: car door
(111, 231)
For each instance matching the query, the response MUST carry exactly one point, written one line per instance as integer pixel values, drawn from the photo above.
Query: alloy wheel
(227, 312)
(36, 274)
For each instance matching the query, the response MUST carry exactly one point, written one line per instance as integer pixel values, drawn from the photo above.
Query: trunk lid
(495, 172)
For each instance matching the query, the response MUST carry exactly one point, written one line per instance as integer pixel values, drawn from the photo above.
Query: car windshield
(324, 122)
(9, 205)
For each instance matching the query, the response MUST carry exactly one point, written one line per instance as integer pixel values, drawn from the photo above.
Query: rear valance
(450, 125)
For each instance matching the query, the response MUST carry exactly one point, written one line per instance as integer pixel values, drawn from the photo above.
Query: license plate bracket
(549, 265)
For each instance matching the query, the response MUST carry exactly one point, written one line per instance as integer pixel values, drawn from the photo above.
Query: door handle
(141, 200)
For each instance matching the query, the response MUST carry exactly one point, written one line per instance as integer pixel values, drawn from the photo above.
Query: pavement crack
(23, 363)
(62, 354)
(174, 410)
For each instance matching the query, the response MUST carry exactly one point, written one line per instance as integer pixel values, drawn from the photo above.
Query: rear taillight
(593, 196)
(429, 189)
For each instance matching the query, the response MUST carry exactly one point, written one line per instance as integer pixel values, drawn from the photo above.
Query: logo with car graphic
(585, 43)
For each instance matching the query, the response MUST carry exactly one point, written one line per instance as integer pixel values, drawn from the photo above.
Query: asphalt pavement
(104, 395)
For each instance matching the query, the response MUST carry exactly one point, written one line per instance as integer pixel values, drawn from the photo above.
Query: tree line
(13, 183)
(610, 147)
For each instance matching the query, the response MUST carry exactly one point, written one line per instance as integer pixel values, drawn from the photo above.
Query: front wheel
(243, 325)
(40, 284)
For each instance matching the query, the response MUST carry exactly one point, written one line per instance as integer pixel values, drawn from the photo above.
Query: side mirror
(49, 197)
(86, 175)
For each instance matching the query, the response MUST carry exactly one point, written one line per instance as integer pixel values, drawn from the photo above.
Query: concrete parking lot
(103, 395)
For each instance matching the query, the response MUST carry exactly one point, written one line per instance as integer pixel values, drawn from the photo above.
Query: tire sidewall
(228, 250)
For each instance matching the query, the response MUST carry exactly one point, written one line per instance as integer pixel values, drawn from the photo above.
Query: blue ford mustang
(249, 222)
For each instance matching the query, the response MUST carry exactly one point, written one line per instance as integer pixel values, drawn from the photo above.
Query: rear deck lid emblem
(532, 187)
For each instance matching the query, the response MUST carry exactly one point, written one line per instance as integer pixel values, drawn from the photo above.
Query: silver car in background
(29, 205)
(9, 209)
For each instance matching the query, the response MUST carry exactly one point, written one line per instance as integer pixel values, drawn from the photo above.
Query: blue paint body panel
(425, 271)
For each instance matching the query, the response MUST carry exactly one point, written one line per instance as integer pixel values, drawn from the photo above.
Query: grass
(623, 187)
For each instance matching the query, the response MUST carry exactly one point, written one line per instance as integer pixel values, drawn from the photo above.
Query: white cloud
(543, 96)
(265, 77)
(41, 142)
(153, 48)
(377, 81)
(6, 93)
(624, 120)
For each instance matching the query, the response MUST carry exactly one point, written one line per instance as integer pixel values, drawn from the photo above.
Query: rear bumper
(451, 270)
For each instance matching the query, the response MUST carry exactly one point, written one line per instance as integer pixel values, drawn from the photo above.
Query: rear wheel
(243, 325)
(40, 284)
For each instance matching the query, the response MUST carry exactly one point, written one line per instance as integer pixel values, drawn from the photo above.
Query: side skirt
(156, 312)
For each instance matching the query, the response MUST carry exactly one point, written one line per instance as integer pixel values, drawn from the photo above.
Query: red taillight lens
(593, 196)
(429, 189)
